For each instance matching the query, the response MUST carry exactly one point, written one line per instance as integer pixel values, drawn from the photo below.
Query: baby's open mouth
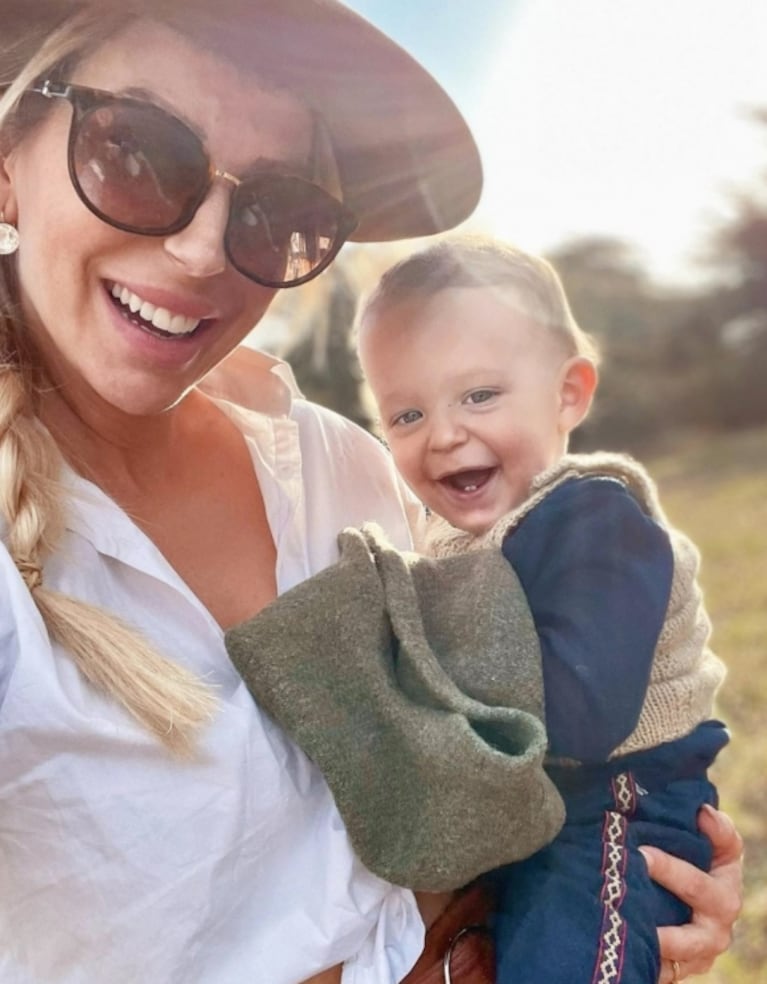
(152, 318)
(470, 480)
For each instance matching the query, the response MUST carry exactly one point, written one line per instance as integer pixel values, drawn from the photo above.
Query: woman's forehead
(237, 112)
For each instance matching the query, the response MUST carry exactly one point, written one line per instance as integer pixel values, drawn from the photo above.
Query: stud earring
(9, 237)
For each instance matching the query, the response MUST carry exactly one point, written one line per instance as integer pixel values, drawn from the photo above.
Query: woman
(164, 171)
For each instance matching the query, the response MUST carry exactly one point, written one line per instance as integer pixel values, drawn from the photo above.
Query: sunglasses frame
(84, 99)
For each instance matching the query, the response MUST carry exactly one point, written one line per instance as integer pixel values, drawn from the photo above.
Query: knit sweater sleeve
(597, 574)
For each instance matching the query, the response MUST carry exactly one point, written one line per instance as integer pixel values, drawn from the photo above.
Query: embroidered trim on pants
(612, 936)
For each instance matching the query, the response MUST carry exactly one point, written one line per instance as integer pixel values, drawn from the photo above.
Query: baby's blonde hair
(482, 262)
(166, 699)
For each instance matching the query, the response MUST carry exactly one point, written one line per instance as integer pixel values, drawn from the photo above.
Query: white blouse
(120, 865)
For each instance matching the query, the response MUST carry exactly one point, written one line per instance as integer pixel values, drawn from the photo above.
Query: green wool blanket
(415, 685)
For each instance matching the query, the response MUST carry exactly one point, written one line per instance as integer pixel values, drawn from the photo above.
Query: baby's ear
(577, 384)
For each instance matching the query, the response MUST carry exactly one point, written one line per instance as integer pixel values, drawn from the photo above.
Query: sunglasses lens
(138, 167)
(144, 171)
(283, 230)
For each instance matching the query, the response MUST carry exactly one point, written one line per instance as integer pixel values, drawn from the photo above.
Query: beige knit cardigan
(685, 673)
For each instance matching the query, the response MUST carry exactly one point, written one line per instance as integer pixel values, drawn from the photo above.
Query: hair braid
(166, 699)
(169, 701)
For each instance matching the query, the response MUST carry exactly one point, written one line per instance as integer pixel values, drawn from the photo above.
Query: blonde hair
(478, 261)
(167, 700)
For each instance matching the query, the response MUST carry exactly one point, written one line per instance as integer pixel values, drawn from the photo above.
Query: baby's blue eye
(407, 417)
(481, 395)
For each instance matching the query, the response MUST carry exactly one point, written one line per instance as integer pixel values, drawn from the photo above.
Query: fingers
(694, 947)
(672, 972)
(684, 880)
(716, 903)
(717, 895)
(720, 830)
(715, 898)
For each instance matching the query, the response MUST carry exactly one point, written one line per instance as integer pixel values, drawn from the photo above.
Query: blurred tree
(323, 355)
(738, 254)
(631, 320)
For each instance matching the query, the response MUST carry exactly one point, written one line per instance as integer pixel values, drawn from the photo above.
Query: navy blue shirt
(597, 573)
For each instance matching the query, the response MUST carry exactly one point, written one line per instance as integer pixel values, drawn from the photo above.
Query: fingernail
(709, 809)
(647, 854)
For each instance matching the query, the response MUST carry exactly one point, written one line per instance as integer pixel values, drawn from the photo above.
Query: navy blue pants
(583, 910)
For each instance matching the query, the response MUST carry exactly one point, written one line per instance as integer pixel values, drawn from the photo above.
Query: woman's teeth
(159, 317)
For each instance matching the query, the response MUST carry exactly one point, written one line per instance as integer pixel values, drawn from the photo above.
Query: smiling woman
(97, 349)
(162, 191)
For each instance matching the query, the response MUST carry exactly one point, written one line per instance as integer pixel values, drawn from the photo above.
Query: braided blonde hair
(166, 699)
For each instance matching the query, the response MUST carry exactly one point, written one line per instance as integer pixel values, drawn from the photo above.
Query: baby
(480, 374)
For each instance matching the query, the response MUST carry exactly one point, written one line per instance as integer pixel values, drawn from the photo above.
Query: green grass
(715, 488)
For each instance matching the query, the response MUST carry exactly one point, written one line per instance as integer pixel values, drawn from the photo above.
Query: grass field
(715, 489)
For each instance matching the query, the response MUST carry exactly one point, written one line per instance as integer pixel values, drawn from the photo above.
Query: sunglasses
(142, 170)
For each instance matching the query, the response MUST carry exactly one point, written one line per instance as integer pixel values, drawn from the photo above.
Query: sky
(626, 118)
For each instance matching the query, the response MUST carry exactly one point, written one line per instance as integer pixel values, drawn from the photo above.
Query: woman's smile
(153, 318)
(135, 321)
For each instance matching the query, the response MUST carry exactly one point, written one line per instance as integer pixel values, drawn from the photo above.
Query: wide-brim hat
(409, 164)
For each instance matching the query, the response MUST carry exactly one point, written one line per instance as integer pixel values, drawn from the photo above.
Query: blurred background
(626, 140)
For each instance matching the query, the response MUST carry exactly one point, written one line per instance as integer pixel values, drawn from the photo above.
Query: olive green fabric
(415, 685)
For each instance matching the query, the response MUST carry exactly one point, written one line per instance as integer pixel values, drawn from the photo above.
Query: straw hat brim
(409, 164)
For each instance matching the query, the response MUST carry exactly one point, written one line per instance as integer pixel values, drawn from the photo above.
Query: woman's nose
(199, 246)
